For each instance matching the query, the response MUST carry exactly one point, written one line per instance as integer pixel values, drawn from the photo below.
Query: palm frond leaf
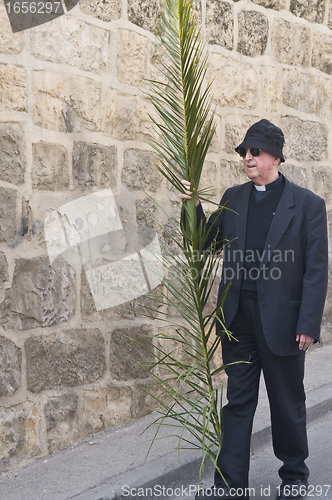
(184, 384)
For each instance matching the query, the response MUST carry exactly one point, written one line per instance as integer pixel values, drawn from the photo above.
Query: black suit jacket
(293, 268)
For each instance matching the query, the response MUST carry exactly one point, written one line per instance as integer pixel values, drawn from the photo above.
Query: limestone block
(105, 408)
(305, 140)
(213, 298)
(3, 268)
(228, 173)
(8, 215)
(147, 218)
(10, 367)
(326, 89)
(215, 143)
(66, 104)
(62, 423)
(41, 203)
(322, 183)
(197, 6)
(304, 92)
(290, 42)
(68, 359)
(197, 11)
(106, 10)
(40, 295)
(174, 300)
(126, 117)
(18, 433)
(50, 167)
(171, 235)
(131, 351)
(272, 90)
(87, 47)
(240, 82)
(327, 315)
(139, 170)
(271, 4)
(13, 92)
(144, 400)
(219, 23)
(157, 56)
(26, 223)
(10, 43)
(298, 175)
(138, 307)
(329, 226)
(12, 153)
(232, 173)
(132, 57)
(144, 13)
(235, 130)
(119, 277)
(221, 378)
(329, 20)
(253, 32)
(322, 53)
(209, 176)
(94, 165)
(169, 346)
(312, 11)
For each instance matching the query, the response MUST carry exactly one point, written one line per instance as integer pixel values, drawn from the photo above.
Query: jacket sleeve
(315, 276)
(213, 225)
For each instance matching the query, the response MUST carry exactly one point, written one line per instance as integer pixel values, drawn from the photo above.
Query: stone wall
(73, 122)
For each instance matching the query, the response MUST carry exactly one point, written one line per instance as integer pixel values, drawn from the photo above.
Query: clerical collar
(272, 185)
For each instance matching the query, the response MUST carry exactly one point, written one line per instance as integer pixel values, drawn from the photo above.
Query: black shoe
(222, 493)
(291, 490)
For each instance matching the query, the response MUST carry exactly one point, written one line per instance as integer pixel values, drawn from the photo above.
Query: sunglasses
(253, 151)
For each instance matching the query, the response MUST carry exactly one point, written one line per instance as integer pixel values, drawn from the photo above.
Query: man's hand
(187, 193)
(304, 341)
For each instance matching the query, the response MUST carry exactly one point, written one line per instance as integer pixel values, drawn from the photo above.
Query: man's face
(261, 169)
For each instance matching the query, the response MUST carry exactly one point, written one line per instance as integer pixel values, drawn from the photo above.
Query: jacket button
(236, 290)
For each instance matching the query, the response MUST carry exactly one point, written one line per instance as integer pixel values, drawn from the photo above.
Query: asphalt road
(264, 478)
(27, 484)
(264, 465)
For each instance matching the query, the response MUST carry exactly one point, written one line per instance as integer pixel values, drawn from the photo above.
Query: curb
(178, 468)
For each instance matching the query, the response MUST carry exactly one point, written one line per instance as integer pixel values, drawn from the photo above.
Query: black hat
(264, 135)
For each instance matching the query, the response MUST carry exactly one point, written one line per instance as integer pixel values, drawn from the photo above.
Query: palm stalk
(189, 400)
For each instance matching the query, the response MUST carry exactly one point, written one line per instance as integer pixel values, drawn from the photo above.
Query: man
(277, 261)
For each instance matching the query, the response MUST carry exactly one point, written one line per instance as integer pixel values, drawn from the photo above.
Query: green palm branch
(185, 389)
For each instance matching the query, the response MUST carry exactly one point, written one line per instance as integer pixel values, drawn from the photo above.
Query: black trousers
(284, 382)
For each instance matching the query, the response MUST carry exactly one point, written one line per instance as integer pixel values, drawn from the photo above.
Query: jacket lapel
(280, 222)
(241, 220)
